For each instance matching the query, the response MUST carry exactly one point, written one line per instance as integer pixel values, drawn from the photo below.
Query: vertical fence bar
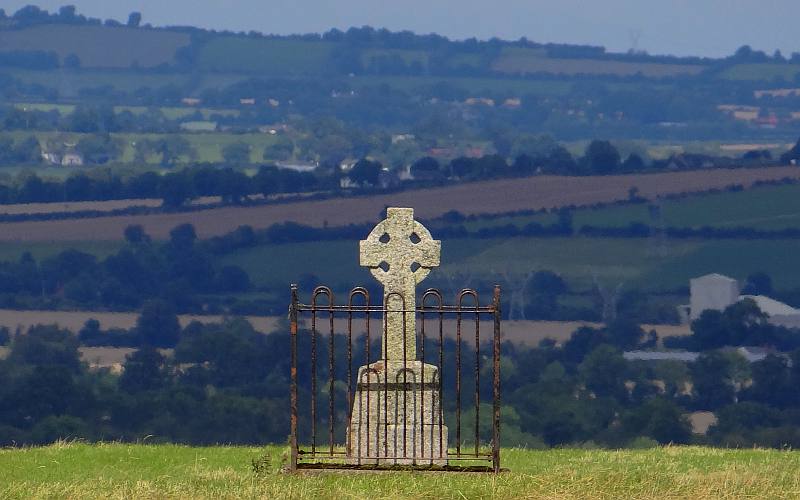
(405, 386)
(331, 375)
(385, 378)
(422, 379)
(369, 387)
(496, 381)
(350, 309)
(458, 377)
(347, 444)
(293, 370)
(314, 374)
(440, 411)
(477, 376)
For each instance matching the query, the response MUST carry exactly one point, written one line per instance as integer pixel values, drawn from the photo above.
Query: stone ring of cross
(399, 248)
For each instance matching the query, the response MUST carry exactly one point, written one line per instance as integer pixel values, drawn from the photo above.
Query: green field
(633, 262)
(207, 146)
(516, 60)
(765, 208)
(171, 471)
(99, 46)
(761, 71)
(101, 249)
(170, 112)
(266, 56)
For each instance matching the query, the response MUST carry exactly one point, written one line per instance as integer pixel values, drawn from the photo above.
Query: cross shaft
(400, 253)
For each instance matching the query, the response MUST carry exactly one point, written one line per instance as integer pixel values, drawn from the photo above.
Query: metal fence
(352, 408)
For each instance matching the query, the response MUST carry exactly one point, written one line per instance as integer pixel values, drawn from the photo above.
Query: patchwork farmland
(497, 196)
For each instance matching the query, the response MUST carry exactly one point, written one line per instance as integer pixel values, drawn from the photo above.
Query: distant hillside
(98, 46)
(111, 44)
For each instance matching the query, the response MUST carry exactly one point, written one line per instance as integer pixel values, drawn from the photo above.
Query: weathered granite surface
(397, 414)
(400, 265)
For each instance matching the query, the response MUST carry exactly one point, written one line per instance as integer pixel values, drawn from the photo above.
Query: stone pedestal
(397, 415)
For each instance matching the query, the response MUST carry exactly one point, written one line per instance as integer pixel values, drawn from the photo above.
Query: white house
(71, 159)
(717, 292)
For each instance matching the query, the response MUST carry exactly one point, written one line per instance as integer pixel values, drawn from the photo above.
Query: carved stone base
(397, 419)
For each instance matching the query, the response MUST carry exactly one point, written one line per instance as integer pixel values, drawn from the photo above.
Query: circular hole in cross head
(415, 266)
(415, 238)
(385, 266)
(384, 238)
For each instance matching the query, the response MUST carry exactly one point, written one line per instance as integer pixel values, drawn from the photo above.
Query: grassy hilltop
(136, 471)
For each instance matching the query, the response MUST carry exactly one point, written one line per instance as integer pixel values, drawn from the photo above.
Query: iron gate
(346, 333)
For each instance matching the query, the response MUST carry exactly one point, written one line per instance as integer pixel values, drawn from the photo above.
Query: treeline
(227, 383)
(180, 272)
(642, 230)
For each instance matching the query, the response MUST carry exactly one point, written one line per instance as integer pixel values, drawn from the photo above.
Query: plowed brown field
(471, 198)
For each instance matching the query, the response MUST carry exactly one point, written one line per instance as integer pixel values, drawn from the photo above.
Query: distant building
(248, 101)
(297, 166)
(512, 103)
(776, 93)
(402, 137)
(475, 101)
(273, 102)
(273, 129)
(750, 354)
(72, 159)
(191, 101)
(51, 158)
(716, 292)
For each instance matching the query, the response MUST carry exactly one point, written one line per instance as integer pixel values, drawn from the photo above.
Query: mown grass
(141, 471)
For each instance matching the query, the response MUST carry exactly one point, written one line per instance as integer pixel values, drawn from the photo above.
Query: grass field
(517, 60)
(207, 146)
(479, 197)
(762, 71)
(99, 46)
(171, 471)
(266, 56)
(764, 207)
(632, 262)
(170, 112)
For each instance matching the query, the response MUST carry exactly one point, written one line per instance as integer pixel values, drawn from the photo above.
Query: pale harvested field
(74, 320)
(96, 206)
(481, 197)
(529, 333)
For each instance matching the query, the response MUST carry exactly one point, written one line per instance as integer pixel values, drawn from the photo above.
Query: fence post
(293, 398)
(496, 382)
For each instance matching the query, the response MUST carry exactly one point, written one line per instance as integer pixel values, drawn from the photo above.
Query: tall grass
(74, 470)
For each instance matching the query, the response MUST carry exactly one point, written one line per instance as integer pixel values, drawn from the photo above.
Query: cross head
(400, 253)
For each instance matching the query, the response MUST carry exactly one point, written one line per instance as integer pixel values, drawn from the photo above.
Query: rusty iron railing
(444, 342)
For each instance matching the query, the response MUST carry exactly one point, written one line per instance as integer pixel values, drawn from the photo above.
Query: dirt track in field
(471, 198)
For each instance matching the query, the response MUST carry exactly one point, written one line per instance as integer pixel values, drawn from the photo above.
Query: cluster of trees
(31, 15)
(742, 323)
(179, 272)
(227, 383)
(89, 119)
(175, 188)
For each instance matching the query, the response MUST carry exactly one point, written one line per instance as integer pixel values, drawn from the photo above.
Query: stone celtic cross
(400, 253)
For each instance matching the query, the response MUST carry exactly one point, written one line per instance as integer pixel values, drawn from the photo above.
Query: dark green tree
(365, 172)
(237, 153)
(158, 325)
(601, 158)
(144, 370)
